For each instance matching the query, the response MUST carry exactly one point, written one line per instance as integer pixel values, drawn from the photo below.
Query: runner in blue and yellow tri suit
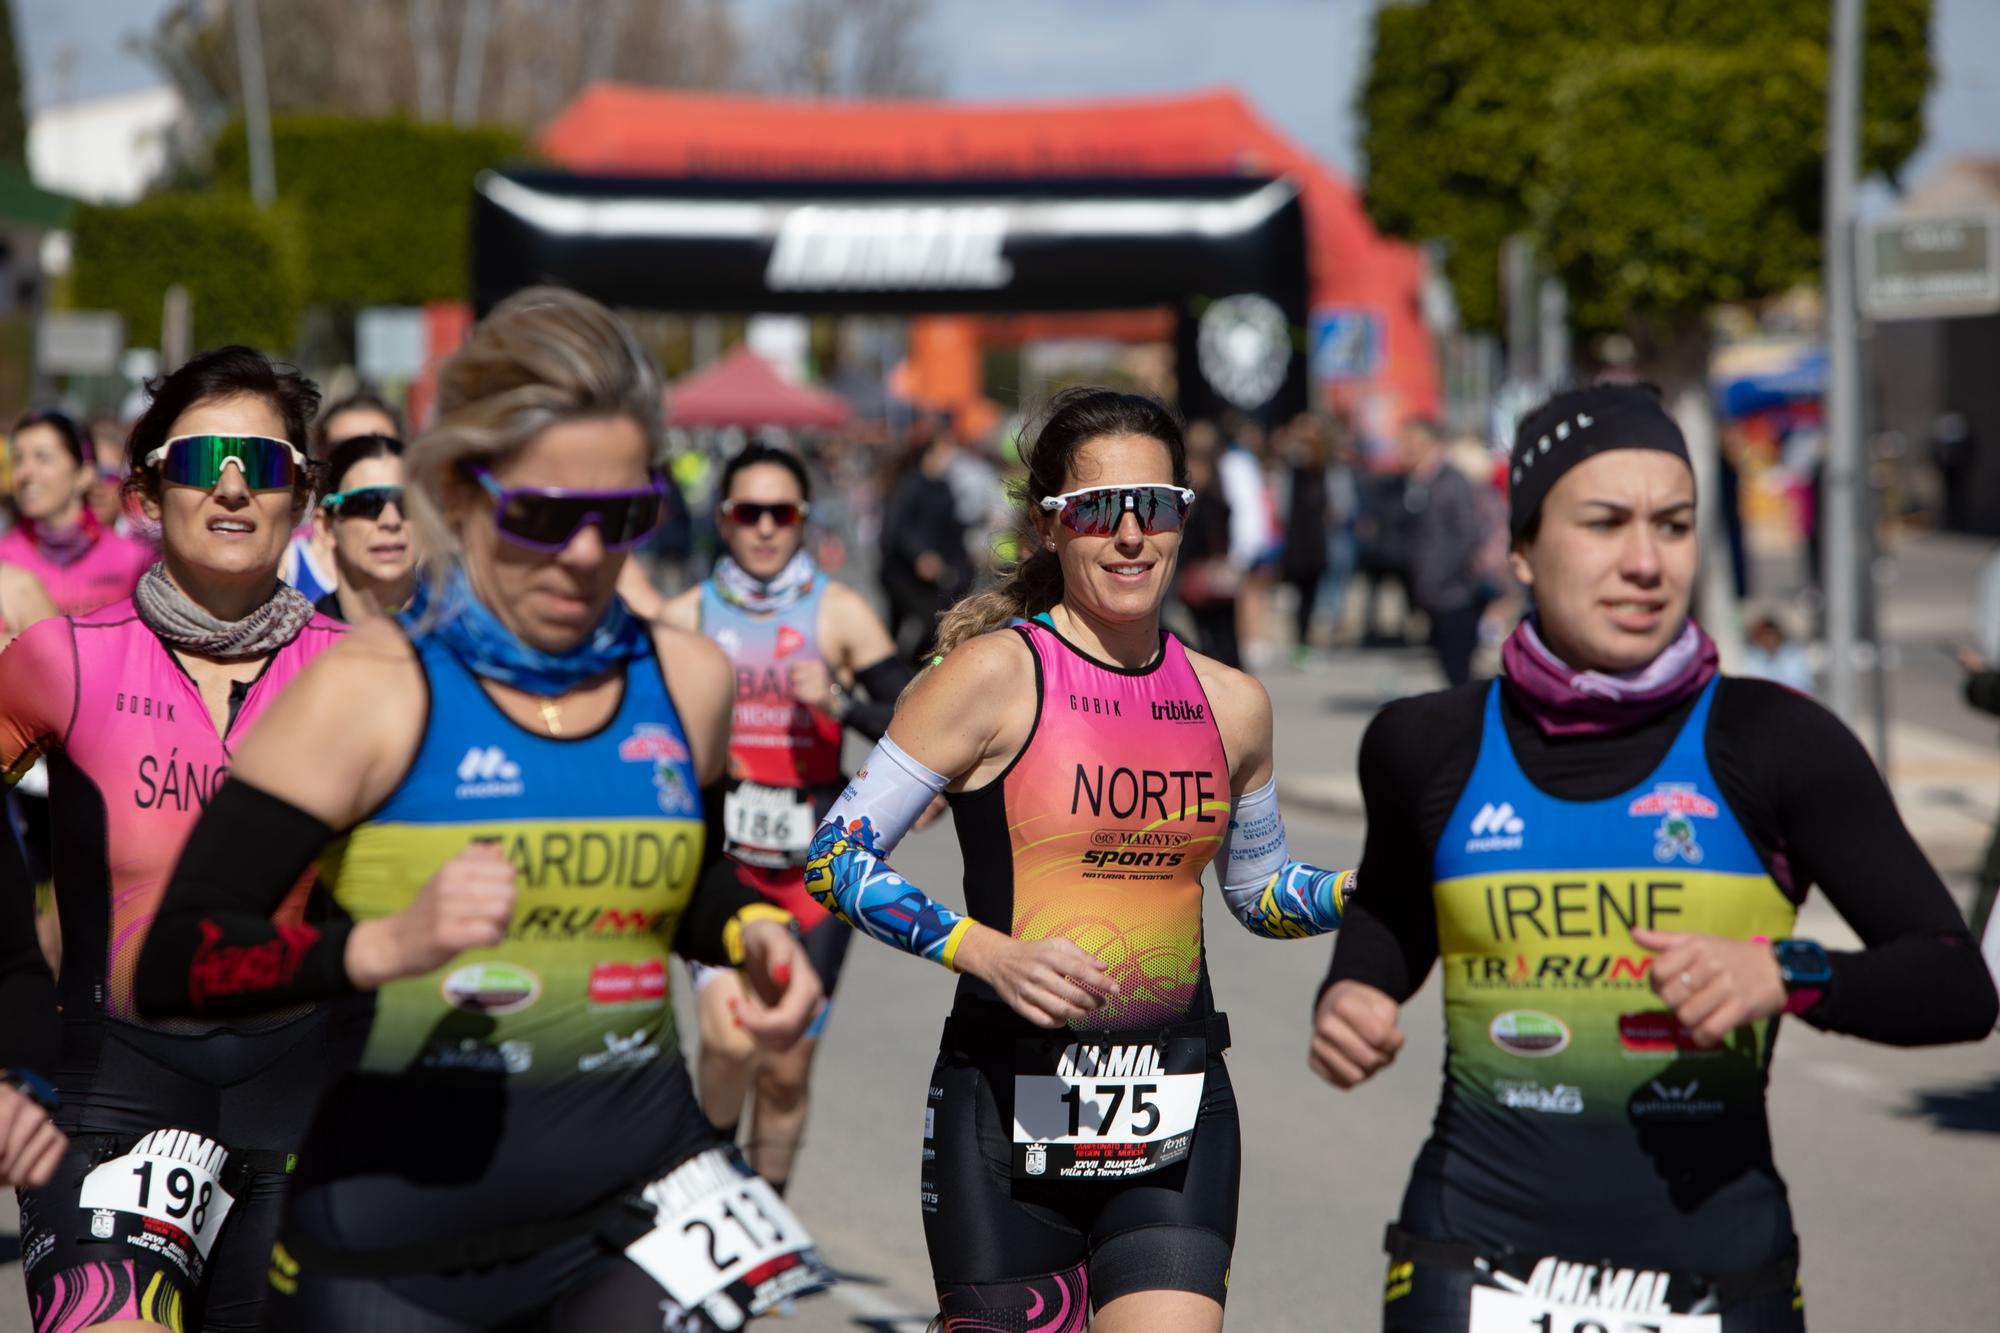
(512, 828)
(1605, 852)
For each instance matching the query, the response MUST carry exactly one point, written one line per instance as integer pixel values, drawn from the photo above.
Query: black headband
(1574, 425)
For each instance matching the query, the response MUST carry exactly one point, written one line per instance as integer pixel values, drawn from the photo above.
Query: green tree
(13, 124)
(1665, 155)
(387, 203)
(242, 266)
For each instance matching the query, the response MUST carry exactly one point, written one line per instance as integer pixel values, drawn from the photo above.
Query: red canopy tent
(743, 389)
(648, 131)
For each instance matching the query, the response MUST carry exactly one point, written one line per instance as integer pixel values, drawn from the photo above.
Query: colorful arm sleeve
(1269, 893)
(847, 866)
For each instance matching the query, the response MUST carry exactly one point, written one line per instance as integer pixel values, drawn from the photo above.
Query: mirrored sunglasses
(199, 460)
(548, 519)
(1096, 511)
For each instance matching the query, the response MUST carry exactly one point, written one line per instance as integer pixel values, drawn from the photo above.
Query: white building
(106, 150)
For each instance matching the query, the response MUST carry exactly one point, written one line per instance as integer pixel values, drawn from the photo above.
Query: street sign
(1346, 343)
(79, 342)
(1929, 267)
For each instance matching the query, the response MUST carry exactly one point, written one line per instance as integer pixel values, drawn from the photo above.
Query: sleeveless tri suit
(784, 765)
(1078, 1166)
(134, 757)
(1576, 1110)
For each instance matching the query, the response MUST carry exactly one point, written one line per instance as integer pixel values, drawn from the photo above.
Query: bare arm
(23, 601)
(703, 687)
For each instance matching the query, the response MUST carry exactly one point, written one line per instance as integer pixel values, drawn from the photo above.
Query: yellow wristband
(732, 930)
(949, 954)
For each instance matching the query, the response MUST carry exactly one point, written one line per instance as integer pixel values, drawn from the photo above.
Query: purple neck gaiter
(1567, 702)
(63, 547)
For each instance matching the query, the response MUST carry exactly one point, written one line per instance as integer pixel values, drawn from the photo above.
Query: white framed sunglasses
(266, 464)
(1096, 511)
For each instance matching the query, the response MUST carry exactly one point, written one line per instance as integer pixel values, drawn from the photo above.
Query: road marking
(1845, 1077)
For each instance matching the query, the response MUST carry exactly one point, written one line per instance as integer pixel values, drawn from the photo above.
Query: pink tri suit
(134, 755)
(105, 572)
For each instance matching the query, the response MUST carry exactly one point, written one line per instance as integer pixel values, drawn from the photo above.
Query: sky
(1300, 61)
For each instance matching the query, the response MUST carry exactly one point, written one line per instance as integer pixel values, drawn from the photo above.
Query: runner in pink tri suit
(81, 563)
(166, 1206)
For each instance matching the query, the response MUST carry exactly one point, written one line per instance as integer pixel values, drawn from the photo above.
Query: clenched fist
(1355, 1035)
(467, 904)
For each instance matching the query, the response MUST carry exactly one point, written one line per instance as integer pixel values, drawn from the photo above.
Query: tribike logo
(569, 923)
(1668, 1101)
(634, 985)
(1529, 1033)
(487, 771)
(1496, 828)
(1640, 1291)
(1137, 848)
(1179, 710)
(652, 743)
(1521, 1095)
(789, 641)
(890, 248)
(1676, 805)
(491, 988)
(621, 1052)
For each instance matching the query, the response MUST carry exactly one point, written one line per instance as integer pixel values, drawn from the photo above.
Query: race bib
(1100, 1109)
(1497, 1311)
(723, 1243)
(773, 820)
(165, 1196)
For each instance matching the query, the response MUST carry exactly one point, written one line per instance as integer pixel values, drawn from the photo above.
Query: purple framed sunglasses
(547, 519)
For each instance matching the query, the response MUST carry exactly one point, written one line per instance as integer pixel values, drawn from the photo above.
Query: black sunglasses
(364, 501)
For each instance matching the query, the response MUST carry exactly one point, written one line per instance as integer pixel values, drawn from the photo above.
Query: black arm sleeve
(884, 682)
(719, 895)
(1388, 934)
(1920, 979)
(1982, 691)
(28, 1031)
(213, 948)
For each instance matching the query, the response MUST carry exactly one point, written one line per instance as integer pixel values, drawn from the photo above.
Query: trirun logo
(1496, 828)
(487, 771)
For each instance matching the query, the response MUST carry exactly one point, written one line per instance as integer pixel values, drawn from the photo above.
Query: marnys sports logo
(1496, 828)
(1676, 805)
(487, 771)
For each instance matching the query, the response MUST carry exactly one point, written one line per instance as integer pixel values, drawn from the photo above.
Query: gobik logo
(1496, 828)
(487, 771)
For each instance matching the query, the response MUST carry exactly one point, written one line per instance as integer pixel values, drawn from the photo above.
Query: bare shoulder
(373, 661)
(691, 657)
(682, 611)
(1237, 696)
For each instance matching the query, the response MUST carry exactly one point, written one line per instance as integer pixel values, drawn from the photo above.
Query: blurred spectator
(1952, 449)
(1447, 538)
(1343, 512)
(1982, 691)
(1209, 578)
(1255, 541)
(1382, 552)
(1771, 653)
(981, 500)
(925, 564)
(1306, 526)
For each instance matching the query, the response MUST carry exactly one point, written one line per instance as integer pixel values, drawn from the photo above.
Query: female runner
(1610, 829)
(1095, 768)
(506, 785)
(80, 562)
(793, 635)
(138, 707)
(364, 524)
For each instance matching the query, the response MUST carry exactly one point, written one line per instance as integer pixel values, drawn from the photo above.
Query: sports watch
(32, 1086)
(1806, 971)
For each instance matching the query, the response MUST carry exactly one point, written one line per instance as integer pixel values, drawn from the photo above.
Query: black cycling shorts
(252, 1092)
(1428, 1289)
(993, 1238)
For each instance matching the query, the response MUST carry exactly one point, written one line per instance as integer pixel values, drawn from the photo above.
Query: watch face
(1803, 963)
